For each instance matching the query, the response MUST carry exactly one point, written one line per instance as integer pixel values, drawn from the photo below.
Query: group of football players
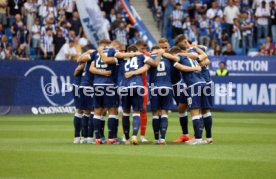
(112, 76)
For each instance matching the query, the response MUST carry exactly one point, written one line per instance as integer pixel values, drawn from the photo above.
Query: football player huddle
(113, 77)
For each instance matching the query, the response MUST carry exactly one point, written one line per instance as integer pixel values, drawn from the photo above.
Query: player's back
(99, 64)
(204, 70)
(132, 64)
(87, 77)
(161, 75)
(191, 78)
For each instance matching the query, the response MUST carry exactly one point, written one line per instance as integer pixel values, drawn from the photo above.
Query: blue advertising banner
(27, 85)
(43, 87)
(245, 65)
(245, 93)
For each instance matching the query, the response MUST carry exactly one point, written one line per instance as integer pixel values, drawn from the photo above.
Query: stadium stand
(208, 22)
(211, 19)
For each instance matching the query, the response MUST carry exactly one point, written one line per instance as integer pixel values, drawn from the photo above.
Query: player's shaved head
(179, 39)
(132, 48)
(163, 40)
(155, 47)
(116, 44)
(104, 42)
(164, 44)
(141, 45)
(175, 50)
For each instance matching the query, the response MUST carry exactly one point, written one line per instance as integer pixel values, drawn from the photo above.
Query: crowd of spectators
(240, 26)
(52, 30)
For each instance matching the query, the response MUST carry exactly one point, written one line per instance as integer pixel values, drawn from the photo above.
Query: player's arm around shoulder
(126, 55)
(105, 58)
(156, 61)
(139, 71)
(79, 69)
(171, 57)
(185, 68)
(85, 57)
(96, 71)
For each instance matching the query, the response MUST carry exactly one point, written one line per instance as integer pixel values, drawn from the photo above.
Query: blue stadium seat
(239, 51)
(9, 34)
(260, 42)
(32, 51)
(171, 42)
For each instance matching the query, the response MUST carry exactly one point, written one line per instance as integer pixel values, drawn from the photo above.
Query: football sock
(156, 126)
(126, 125)
(91, 125)
(135, 124)
(159, 124)
(111, 123)
(197, 126)
(85, 119)
(183, 119)
(97, 126)
(208, 121)
(102, 126)
(77, 124)
(143, 122)
(116, 127)
(164, 126)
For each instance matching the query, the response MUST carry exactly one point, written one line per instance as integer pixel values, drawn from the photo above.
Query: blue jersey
(132, 64)
(161, 76)
(120, 72)
(204, 70)
(176, 77)
(99, 64)
(77, 80)
(191, 78)
(87, 76)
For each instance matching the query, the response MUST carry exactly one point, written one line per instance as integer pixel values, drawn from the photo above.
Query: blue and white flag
(138, 23)
(92, 21)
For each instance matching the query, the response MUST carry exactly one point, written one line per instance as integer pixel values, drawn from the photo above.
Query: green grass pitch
(41, 147)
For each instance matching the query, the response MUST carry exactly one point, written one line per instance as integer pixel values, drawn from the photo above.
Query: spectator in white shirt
(262, 14)
(49, 11)
(67, 51)
(30, 13)
(177, 18)
(49, 23)
(258, 3)
(47, 45)
(69, 7)
(230, 13)
(236, 35)
(36, 28)
(214, 11)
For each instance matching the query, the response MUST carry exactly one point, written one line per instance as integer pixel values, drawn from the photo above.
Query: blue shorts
(86, 98)
(160, 101)
(105, 96)
(76, 96)
(207, 102)
(178, 94)
(131, 98)
(196, 96)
